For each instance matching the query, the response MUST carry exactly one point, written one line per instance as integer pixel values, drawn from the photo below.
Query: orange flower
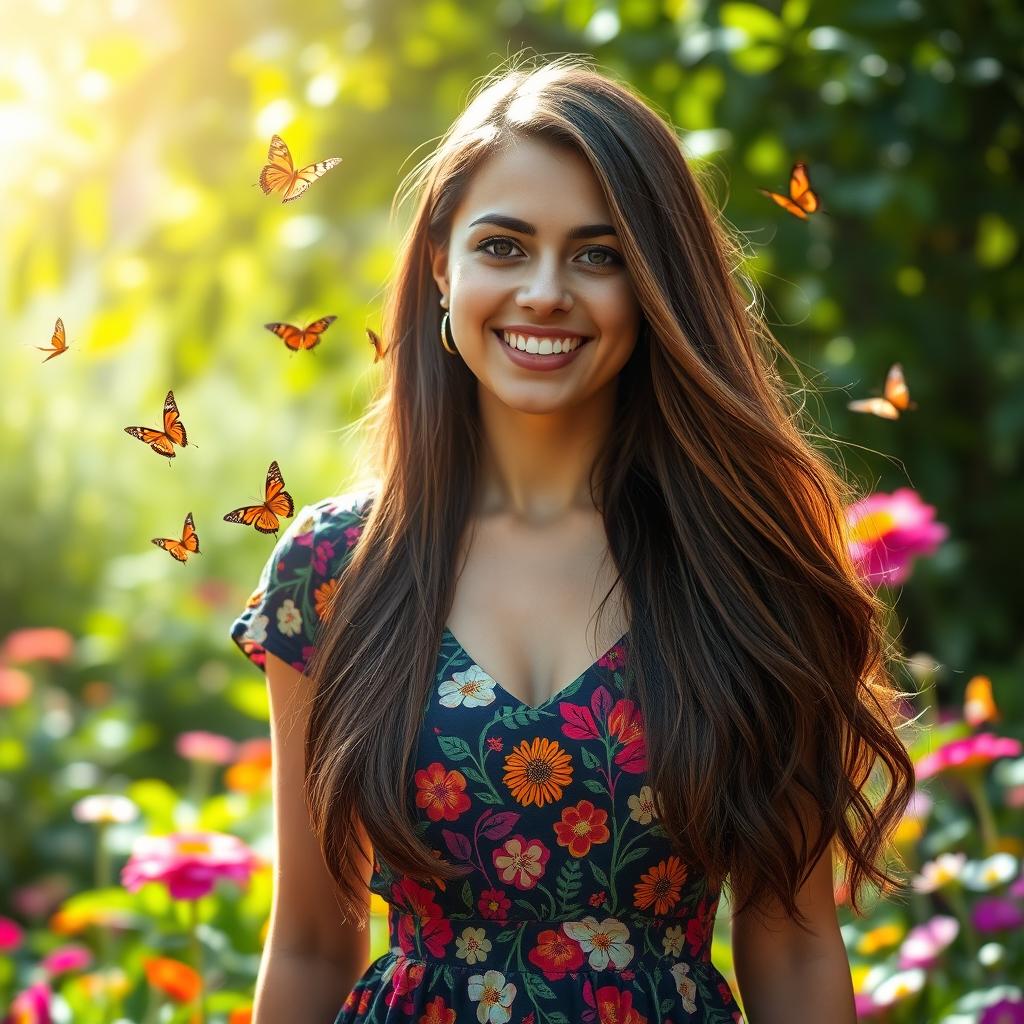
(660, 886)
(438, 1013)
(979, 704)
(172, 977)
(581, 826)
(441, 792)
(323, 598)
(240, 1015)
(537, 772)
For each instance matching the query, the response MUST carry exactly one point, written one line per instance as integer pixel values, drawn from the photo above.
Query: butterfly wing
(800, 190)
(785, 202)
(311, 335)
(156, 439)
(278, 501)
(288, 333)
(378, 345)
(307, 175)
(173, 547)
(876, 406)
(279, 172)
(173, 427)
(59, 341)
(247, 515)
(189, 537)
(896, 390)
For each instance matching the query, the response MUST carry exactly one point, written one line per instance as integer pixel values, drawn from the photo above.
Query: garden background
(134, 132)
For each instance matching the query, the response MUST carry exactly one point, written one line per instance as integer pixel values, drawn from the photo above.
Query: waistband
(587, 944)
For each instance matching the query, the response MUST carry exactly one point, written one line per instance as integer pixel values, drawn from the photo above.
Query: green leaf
(454, 747)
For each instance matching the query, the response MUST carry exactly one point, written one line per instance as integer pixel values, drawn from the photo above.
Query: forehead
(548, 185)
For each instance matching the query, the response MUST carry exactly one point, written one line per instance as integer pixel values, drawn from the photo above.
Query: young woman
(580, 414)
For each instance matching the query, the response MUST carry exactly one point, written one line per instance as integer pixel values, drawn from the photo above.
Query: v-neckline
(555, 696)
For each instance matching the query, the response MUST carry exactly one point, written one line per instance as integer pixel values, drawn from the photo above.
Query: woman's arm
(310, 959)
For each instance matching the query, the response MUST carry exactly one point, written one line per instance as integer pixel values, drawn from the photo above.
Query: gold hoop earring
(445, 332)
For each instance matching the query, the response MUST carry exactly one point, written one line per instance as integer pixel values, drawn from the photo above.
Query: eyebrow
(515, 224)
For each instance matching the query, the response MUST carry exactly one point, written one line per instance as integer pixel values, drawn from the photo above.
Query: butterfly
(163, 441)
(58, 344)
(298, 338)
(801, 200)
(181, 549)
(278, 503)
(378, 345)
(279, 175)
(896, 397)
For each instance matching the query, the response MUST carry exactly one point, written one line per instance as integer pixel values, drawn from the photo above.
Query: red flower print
(352, 534)
(435, 933)
(364, 1001)
(598, 898)
(521, 862)
(441, 792)
(615, 1007)
(633, 758)
(495, 743)
(438, 1013)
(321, 557)
(725, 992)
(555, 953)
(406, 979)
(528, 1019)
(699, 929)
(625, 723)
(615, 658)
(579, 722)
(581, 827)
(494, 905)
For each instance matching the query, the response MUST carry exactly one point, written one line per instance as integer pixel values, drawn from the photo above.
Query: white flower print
(604, 942)
(473, 945)
(641, 806)
(289, 618)
(257, 630)
(473, 688)
(494, 996)
(685, 986)
(672, 940)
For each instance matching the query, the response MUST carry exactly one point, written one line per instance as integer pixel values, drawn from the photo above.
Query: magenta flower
(72, 957)
(40, 644)
(31, 1006)
(206, 746)
(887, 531)
(968, 752)
(11, 934)
(1006, 1011)
(924, 944)
(188, 863)
(996, 914)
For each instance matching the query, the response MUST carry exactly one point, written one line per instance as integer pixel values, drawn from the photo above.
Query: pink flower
(31, 1006)
(206, 746)
(73, 957)
(924, 944)
(11, 934)
(887, 531)
(15, 687)
(968, 752)
(44, 643)
(188, 863)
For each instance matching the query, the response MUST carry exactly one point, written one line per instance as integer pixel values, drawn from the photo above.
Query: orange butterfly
(896, 397)
(57, 344)
(163, 441)
(298, 338)
(278, 502)
(801, 200)
(279, 175)
(378, 345)
(181, 549)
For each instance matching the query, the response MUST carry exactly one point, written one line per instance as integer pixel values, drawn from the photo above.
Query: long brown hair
(760, 658)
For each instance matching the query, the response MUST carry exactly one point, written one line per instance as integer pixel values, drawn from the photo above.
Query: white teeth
(541, 346)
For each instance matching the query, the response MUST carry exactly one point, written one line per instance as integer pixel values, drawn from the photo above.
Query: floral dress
(576, 909)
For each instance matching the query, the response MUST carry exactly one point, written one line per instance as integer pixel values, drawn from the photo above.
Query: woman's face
(534, 274)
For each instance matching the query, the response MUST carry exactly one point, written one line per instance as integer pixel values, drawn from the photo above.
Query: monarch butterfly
(163, 441)
(280, 175)
(58, 344)
(801, 200)
(896, 397)
(181, 549)
(298, 338)
(278, 502)
(378, 345)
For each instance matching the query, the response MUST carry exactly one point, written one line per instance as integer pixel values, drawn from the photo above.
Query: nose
(544, 291)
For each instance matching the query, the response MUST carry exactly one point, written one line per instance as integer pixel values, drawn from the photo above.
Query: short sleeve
(298, 581)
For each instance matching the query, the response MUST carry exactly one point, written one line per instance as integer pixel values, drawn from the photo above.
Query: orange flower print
(555, 954)
(521, 862)
(438, 1013)
(537, 772)
(441, 792)
(615, 1007)
(581, 827)
(323, 598)
(660, 886)
(625, 722)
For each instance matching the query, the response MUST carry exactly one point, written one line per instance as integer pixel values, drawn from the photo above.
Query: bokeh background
(134, 131)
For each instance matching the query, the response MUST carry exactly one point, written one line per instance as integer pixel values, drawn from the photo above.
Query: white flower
(474, 688)
(937, 873)
(494, 996)
(672, 940)
(641, 807)
(289, 618)
(605, 941)
(105, 807)
(473, 945)
(257, 629)
(899, 986)
(985, 875)
(685, 986)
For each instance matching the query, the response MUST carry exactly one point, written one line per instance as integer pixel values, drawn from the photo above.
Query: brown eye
(497, 241)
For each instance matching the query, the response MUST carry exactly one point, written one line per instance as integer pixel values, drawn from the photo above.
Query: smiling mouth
(534, 345)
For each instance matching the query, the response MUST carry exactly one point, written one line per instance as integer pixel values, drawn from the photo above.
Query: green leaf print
(589, 760)
(488, 798)
(536, 986)
(594, 786)
(632, 855)
(556, 1017)
(467, 894)
(600, 877)
(568, 882)
(473, 775)
(455, 748)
